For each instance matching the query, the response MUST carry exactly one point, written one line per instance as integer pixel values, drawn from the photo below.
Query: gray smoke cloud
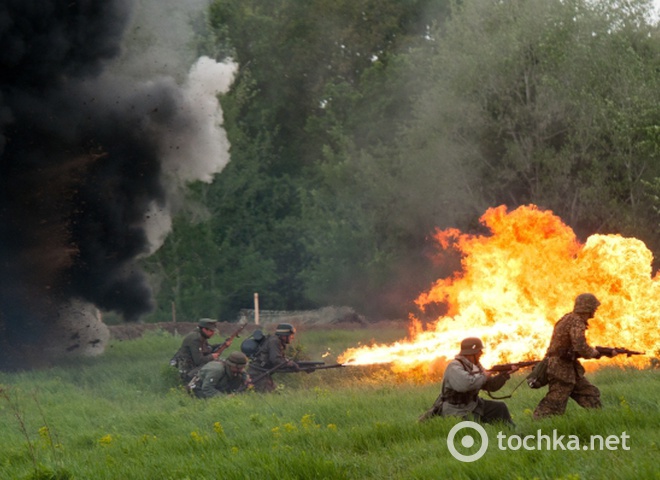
(92, 156)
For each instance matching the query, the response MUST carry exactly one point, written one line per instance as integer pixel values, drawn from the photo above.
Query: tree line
(358, 127)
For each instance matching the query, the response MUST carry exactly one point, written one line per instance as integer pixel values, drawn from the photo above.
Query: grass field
(120, 416)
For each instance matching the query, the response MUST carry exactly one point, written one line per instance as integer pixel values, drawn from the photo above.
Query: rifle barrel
(504, 367)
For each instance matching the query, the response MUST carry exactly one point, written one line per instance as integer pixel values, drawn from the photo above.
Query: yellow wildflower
(289, 427)
(308, 421)
(196, 437)
(106, 440)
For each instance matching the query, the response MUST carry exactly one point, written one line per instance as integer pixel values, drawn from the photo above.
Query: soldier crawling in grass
(221, 377)
(464, 377)
(565, 373)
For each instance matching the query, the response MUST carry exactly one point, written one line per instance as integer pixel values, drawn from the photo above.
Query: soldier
(462, 380)
(195, 350)
(565, 373)
(271, 353)
(222, 377)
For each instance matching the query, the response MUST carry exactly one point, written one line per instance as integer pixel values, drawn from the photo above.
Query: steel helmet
(237, 359)
(284, 329)
(471, 345)
(586, 303)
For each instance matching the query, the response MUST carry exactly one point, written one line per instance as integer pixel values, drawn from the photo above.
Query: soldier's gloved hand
(598, 355)
(294, 366)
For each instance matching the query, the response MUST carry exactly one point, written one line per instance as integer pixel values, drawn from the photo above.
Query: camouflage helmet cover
(284, 329)
(471, 345)
(586, 303)
(237, 358)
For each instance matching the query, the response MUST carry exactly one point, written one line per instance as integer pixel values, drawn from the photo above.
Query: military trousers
(555, 401)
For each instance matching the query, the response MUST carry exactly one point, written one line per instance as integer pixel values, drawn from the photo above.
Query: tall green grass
(121, 416)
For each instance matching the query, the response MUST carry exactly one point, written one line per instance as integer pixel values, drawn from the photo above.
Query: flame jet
(517, 282)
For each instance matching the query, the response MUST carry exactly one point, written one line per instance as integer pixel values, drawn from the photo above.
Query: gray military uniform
(459, 394)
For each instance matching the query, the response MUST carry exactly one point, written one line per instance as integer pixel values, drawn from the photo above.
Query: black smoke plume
(84, 160)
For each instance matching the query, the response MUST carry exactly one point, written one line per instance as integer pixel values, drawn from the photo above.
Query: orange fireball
(517, 282)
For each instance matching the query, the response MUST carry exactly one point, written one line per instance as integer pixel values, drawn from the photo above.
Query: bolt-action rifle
(505, 367)
(221, 347)
(613, 351)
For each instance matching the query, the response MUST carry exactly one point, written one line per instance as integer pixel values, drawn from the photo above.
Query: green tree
(303, 89)
(548, 103)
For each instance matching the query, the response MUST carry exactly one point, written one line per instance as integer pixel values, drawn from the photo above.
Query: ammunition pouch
(538, 377)
(460, 398)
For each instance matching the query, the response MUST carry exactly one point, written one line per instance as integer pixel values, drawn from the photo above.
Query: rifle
(223, 346)
(613, 351)
(505, 367)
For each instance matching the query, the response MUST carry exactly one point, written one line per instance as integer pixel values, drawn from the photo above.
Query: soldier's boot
(430, 413)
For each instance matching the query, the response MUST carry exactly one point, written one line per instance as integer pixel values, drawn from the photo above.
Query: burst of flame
(517, 282)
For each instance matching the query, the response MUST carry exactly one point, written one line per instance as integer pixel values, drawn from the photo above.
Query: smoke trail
(88, 161)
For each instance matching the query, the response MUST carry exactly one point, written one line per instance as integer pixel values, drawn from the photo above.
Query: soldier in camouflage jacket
(565, 373)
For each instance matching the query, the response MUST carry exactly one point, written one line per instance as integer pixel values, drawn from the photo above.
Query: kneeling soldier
(462, 380)
(222, 376)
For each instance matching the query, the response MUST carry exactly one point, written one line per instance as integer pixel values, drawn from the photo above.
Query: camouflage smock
(569, 342)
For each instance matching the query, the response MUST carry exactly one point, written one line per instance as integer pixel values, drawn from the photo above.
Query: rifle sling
(506, 396)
